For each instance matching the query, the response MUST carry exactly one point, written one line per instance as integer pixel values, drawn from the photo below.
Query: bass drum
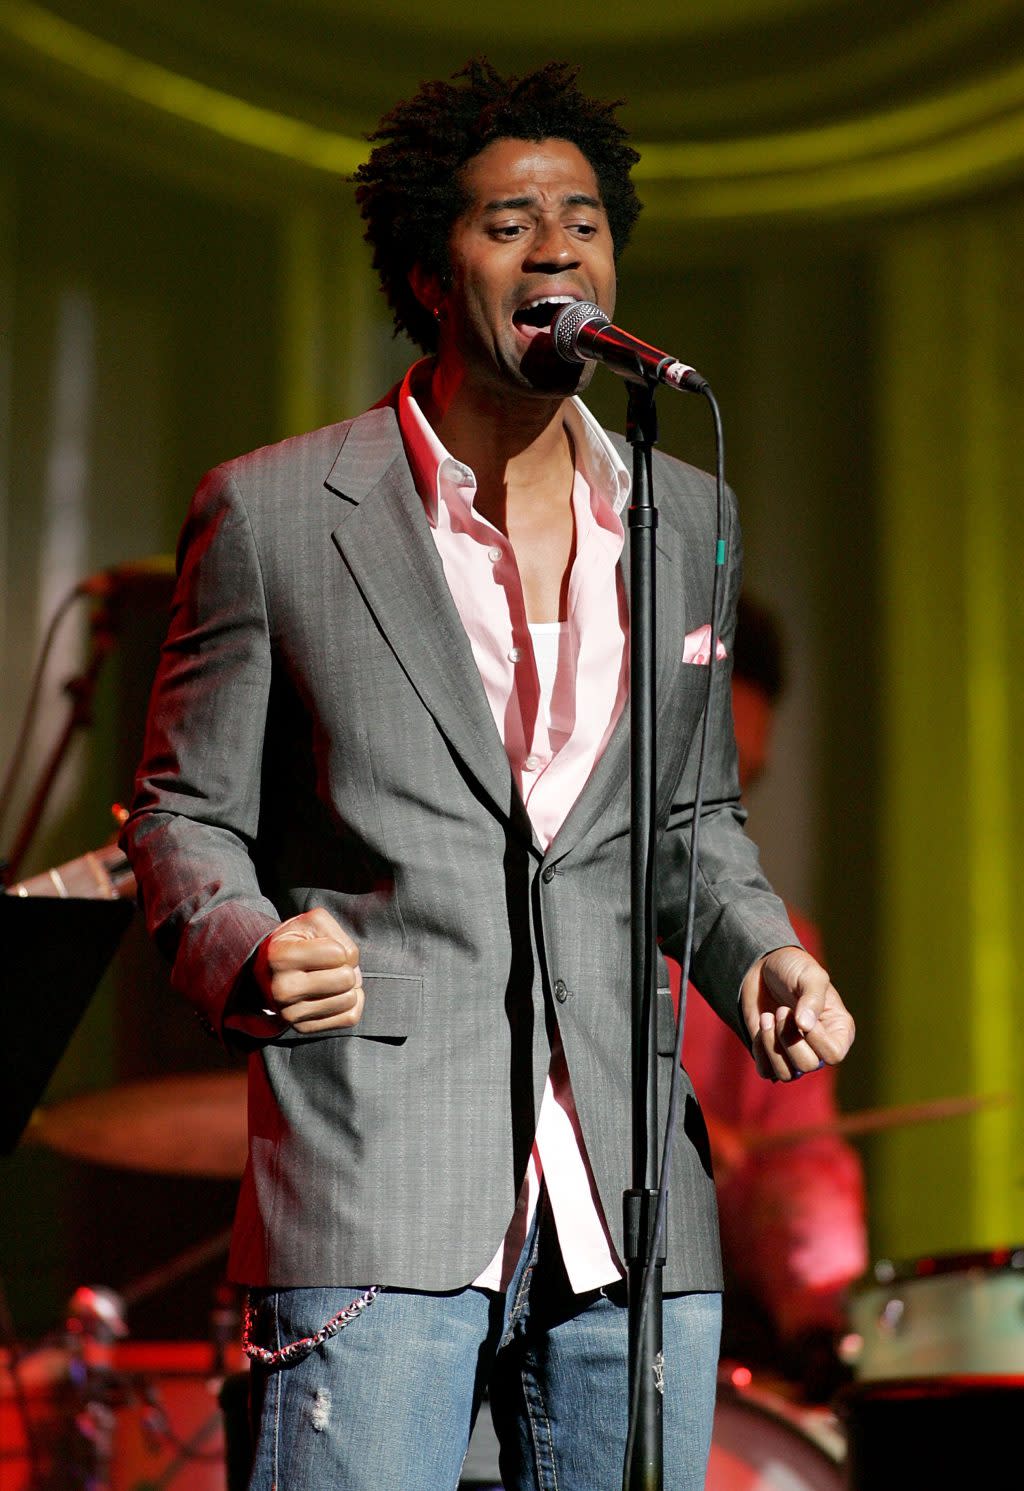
(763, 1441)
(760, 1442)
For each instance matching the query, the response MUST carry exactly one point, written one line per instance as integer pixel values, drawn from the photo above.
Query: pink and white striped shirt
(553, 740)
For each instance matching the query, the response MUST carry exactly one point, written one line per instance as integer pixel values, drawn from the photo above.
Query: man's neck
(516, 445)
(523, 459)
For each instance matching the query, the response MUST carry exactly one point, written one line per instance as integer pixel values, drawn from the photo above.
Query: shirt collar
(596, 457)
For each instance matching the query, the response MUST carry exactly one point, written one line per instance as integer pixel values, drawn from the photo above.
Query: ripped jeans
(389, 1402)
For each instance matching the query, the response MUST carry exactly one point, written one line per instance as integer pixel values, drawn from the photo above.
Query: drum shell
(942, 1316)
(764, 1441)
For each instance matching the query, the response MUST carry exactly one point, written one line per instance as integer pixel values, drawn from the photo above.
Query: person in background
(792, 1217)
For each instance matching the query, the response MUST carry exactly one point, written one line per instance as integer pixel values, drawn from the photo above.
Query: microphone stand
(644, 1468)
(81, 691)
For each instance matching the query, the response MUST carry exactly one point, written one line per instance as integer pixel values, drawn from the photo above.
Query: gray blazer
(319, 736)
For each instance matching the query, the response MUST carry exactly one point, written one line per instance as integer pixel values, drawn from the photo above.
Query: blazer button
(561, 992)
(548, 874)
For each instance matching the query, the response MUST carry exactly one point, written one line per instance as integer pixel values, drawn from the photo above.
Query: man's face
(752, 717)
(534, 235)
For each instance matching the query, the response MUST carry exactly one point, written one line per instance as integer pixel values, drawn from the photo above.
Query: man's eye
(507, 230)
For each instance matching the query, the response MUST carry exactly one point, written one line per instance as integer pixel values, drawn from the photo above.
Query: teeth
(548, 300)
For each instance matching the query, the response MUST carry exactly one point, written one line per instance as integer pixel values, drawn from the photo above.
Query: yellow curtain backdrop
(951, 417)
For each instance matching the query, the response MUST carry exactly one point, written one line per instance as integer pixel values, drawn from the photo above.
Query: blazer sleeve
(196, 809)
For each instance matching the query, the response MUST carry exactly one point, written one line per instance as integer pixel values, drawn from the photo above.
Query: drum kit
(927, 1336)
(937, 1351)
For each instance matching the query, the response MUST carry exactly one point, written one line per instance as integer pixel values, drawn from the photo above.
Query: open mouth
(535, 317)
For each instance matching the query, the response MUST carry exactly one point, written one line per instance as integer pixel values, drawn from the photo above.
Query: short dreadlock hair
(410, 191)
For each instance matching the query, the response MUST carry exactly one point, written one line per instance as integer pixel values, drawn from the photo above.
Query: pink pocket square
(697, 646)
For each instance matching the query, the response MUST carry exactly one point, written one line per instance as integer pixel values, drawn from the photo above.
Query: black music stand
(55, 953)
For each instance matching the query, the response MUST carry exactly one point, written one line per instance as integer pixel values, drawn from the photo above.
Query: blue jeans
(389, 1403)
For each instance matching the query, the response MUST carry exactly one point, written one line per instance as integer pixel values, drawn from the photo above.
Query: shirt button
(515, 654)
(548, 874)
(494, 554)
(561, 992)
(531, 763)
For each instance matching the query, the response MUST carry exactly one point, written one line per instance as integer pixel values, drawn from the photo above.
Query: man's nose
(552, 247)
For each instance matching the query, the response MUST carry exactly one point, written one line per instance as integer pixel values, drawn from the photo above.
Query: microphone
(583, 333)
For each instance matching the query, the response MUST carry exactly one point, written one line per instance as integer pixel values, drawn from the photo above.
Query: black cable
(691, 901)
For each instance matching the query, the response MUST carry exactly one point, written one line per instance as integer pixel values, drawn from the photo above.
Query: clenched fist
(308, 972)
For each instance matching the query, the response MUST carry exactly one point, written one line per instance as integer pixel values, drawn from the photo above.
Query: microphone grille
(567, 325)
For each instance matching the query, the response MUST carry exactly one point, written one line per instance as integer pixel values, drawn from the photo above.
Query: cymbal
(195, 1124)
(189, 1124)
(733, 1144)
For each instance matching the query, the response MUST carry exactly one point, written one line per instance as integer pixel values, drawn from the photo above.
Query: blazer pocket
(697, 647)
(391, 1011)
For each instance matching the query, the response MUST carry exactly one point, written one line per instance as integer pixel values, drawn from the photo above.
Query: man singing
(382, 828)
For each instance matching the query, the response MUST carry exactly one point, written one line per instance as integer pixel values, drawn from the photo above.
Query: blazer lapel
(384, 538)
(670, 608)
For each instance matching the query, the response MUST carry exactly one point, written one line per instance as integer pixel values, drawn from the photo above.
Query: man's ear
(426, 286)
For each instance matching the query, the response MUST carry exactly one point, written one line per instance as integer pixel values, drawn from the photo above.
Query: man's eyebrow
(575, 199)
